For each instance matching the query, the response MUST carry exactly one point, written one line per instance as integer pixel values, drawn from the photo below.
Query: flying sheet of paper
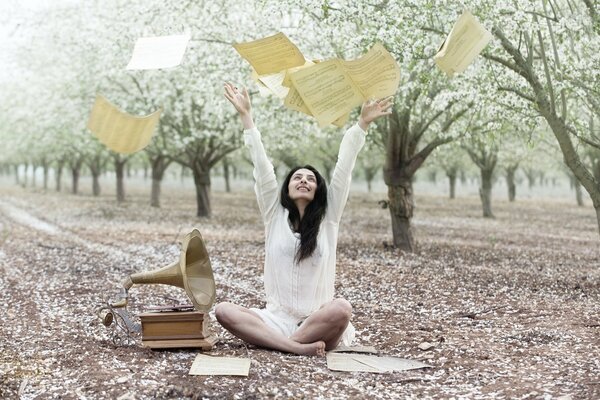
(274, 83)
(369, 363)
(271, 54)
(119, 131)
(332, 88)
(341, 121)
(263, 90)
(466, 40)
(158, 52)
(376, 73)
(287, 81)
(327, 90)
(208, 365)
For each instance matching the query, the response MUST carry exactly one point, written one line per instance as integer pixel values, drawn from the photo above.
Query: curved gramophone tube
(123, 294)
(192, 272)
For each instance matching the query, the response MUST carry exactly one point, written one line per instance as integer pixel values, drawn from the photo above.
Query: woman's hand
(373, 109)
(241, 102)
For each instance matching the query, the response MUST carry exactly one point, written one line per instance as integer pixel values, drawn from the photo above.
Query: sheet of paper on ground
(271, 55)
(208, 365)
(355, 349)
(370, 363)
(466, 40)
(119, 131)
(330, 89)
(158, 52)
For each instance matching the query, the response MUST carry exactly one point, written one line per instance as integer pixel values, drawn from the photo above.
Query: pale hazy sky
(14, 15)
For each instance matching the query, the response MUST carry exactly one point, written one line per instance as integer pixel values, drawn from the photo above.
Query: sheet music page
(209, 365)
(376, 73)
(119, 131)
(274, 83)
(466, 40)
(293, 101)
(271, 54)
(327, 90)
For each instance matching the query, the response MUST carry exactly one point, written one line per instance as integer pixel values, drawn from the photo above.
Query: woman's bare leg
(326, 324)
(249, 327)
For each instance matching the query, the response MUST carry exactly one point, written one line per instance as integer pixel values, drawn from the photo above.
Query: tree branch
(517, 92)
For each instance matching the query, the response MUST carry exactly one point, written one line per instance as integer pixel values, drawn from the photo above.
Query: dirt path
(511, 305)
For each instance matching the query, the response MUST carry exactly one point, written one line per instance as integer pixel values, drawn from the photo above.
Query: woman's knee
(342, 309)
(223, 312)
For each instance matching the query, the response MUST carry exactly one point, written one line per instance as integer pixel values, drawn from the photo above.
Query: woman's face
(303, 185)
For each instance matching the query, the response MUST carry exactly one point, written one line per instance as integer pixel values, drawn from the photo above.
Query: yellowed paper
(466, 40)
(119, 131)
(341, 121)
(330, 89)
(274, 83)
(271, 54)
(287, 81)
(293, 101)
(370, 363)
(376, 73)
(327, 90)
(207, 365)
(262, 89)
(158, 52)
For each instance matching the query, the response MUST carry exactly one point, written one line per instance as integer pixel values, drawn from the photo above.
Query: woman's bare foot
(312, 349)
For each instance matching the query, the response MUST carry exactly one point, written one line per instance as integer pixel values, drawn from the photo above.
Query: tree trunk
(16, 169)
(58, 176)
(452, 180)
(401, 204)
(202, 182)
(510, 182)
(45, 169)
(578, 193)
(33, 180)
(530, 178)
(432, 176)
(95, 180)
(25, 171)
(369, 176)
(119, 172)
(159, 166)
(485, 192)
(226, 175)
(463, 178)
(75, 171)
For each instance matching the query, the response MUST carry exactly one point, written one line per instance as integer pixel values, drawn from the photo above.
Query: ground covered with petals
(510, 306)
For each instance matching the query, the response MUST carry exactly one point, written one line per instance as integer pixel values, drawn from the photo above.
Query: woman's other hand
(241, 102)
(373, 109)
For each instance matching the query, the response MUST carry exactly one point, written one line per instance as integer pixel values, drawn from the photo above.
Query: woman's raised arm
(353, 141)
(266, 182)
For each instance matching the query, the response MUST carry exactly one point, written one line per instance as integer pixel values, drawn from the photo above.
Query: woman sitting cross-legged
(301, 229)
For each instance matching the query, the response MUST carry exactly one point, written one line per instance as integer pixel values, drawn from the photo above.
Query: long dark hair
(309, 225)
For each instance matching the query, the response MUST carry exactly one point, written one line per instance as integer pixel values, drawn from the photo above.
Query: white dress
(296, 290)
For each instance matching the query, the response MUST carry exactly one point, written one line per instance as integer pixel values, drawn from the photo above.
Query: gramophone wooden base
(167, 330)
(205, 344)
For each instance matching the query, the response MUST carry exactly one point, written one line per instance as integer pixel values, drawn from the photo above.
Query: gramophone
(193, 273)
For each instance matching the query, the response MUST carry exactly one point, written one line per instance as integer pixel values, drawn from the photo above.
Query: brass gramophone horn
(192, 272)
